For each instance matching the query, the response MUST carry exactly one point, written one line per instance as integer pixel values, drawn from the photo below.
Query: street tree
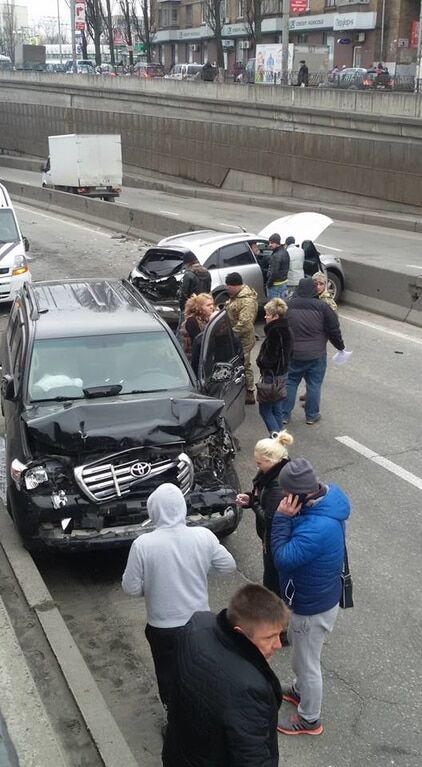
(214, 17)
(144, 23)
(253, 14)
(127, 8)
(108, 22)
(9, 28)
(95, 20)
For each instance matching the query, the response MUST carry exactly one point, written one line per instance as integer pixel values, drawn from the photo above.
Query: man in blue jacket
(307, 542)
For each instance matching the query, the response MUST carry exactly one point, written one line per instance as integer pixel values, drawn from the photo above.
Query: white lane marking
(329, 247)
(382, 329)
(169, 212)
(381, 461)
(62, 220)
(414, 266)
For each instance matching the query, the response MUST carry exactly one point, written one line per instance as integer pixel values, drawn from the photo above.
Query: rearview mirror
(7, 387)
(26, 244)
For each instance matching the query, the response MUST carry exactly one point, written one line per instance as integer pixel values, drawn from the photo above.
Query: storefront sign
(80, 22)
(414, 34)
(335, 21)
(298, 6)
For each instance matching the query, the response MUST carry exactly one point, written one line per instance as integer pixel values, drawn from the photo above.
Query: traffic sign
(299, 6)
(80, 21)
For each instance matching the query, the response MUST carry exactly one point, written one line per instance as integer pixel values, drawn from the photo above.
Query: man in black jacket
(312, 323)
(196, 279)
(278, 268)
(226, 697)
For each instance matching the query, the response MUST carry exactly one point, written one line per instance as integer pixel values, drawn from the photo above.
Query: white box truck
(85, 164)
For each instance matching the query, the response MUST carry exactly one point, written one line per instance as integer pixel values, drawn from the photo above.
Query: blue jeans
(277, 291)
(272, 412)
(313, 371)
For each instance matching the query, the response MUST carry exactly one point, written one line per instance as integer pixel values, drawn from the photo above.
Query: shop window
(330, 3)
(174, 16)
(189, 15)
(240, 9)
(271, 7)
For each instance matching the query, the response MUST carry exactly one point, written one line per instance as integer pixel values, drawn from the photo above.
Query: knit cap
(298, 477)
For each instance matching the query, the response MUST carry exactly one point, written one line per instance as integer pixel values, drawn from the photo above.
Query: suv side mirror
(7, 387)
(26, 244)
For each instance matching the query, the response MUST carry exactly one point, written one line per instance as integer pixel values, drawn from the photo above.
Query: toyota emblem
(140, 470)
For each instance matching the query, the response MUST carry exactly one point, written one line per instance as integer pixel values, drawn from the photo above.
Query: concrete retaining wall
(312, 137)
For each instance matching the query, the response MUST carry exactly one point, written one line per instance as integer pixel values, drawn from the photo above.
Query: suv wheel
(334, 285)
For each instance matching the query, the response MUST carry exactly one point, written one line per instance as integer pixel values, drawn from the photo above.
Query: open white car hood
(301, 226)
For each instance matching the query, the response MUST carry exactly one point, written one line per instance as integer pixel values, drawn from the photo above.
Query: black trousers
(163, 644)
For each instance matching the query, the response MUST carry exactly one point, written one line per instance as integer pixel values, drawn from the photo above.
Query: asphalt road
(372, 672)
(397, 250)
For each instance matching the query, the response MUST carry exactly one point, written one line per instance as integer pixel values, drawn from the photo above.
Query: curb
(104, 731)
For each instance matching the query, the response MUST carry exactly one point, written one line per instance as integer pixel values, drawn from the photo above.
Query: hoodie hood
(334, 504)
(166, 506)
(198, 268)
(306, 288)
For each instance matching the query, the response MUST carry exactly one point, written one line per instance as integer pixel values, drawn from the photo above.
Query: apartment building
(357, 32)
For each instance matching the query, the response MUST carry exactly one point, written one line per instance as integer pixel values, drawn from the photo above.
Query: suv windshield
(8, 230)
(62, 368)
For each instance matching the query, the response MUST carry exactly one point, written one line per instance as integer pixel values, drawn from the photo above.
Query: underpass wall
(204, 134)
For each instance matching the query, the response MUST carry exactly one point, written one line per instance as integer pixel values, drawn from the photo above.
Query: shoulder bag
(346, 597)
(269, 388)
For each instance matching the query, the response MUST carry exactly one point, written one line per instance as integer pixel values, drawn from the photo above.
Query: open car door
(220, 371)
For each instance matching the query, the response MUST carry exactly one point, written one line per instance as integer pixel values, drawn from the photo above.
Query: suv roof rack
(31, 297)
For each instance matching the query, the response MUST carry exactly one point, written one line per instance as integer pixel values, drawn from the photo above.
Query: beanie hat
(234, 278)
(319, 277)
(189, 258)
(275, 238)
(298, 477)
(290, 241)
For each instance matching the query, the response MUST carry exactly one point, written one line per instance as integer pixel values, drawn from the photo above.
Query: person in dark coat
(303, 74)
(270, 456)
(313, 323)
(208, 72)
(224, 706)
(273, 359)
(278, 268)
(196, 279)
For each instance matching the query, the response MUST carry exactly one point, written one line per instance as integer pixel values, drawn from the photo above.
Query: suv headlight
(35, 476)
(20, 266)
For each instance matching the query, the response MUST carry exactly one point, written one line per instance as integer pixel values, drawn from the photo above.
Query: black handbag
(346, 597)
(270, 391)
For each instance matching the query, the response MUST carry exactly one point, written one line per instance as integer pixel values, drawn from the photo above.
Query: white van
(14, 269)
(185, 72)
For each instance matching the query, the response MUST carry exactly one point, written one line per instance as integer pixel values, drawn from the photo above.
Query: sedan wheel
(334, 285)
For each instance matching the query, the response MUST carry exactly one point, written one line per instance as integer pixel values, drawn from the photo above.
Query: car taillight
(82, 189)
(367, 82)
(116, 189)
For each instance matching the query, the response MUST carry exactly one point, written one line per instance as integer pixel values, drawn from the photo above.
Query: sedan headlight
(35, 476)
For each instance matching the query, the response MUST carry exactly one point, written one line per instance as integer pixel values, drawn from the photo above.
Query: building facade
(20, 14)
(357, 32)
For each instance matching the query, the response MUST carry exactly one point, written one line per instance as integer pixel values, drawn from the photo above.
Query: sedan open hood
(301, 226)
(101, 426)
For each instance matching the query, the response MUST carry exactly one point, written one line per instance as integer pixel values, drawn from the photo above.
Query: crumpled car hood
(115, 424)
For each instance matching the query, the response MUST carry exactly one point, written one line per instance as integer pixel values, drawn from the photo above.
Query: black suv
(101, 406)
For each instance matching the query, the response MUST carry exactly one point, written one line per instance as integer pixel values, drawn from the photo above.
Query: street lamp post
(285, 43)
(418, 54)
(60, 32)
(72, 30)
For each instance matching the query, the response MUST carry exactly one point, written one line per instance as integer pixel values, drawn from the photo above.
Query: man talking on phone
(307, 540)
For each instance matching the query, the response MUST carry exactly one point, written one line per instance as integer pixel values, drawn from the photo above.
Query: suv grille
(101, 481)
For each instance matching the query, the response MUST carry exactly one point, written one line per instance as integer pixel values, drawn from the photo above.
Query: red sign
(414, 34)
(298, 6)
(80, 23)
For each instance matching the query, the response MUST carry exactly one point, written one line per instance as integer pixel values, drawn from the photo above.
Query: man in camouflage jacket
(242, 309)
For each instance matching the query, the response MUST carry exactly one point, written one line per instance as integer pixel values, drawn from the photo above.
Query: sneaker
(296, 725)
(285, 420)
(290, 695)
(250, 398)
(310, 421)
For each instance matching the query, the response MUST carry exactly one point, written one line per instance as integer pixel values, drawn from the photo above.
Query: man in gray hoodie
(169, 567)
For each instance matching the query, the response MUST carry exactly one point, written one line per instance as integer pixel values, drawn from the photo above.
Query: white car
(14, 270)
(160, 269)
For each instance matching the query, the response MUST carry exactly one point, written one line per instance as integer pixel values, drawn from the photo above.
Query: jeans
(277, 291)
(313, 371)
(163, 644)
(306, 634)
(272, 412)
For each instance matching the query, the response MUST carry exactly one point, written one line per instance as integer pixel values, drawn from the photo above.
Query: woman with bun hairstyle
(198, 310)
(271, 455)
(273, 358)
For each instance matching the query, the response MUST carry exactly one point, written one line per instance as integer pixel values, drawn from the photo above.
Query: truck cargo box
(85, 161)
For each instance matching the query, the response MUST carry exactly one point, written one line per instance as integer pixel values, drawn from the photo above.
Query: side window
(212, 261)
(220, 345)
(16, 351)
(238, 254)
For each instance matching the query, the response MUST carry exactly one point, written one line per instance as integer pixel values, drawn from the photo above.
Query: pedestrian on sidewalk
(278, 268)
(224, 706)
(242, 309)
(308, 541)
(313, 323)
(271, 454)
(273, 359)
(169, 567)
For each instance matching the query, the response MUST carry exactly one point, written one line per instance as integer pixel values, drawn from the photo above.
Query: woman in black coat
(273, 359)
(270, 456)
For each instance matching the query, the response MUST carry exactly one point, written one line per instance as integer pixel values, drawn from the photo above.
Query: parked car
(14, 270)
(358, 78)
(146, 71)
(107, 70)
(185, 72)
(101, 406)
(160, 270)
(79, 63)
